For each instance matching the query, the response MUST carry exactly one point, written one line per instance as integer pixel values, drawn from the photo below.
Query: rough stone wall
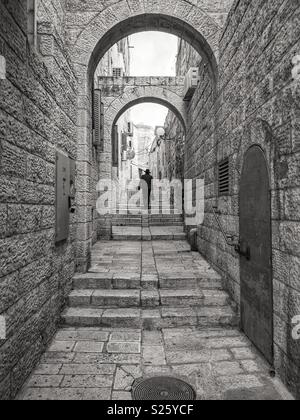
(175, 134)
(37, 117)
(259, 75)
(258, 103)
(187, 57)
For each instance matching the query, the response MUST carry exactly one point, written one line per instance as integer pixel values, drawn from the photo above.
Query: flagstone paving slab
(176, 321)
(219, 363)
(89, 347)
(128, 348)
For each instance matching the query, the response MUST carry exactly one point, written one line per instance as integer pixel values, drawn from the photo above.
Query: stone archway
(91, 29)
(133, 91)
(142, 94)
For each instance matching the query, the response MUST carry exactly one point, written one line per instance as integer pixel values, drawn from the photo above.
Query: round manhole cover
(163, 388)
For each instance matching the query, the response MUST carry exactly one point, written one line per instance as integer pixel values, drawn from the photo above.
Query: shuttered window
(115, 146)
(224, 177)
(32, 22)
(124, 142)
(98, 121)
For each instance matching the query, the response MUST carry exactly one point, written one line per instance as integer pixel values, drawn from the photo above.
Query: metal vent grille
(224, 178)
(117, 72)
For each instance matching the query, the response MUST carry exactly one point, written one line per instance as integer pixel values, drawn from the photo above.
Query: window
(98, 120)
(32, 22)
(224, 178)
(115, 147)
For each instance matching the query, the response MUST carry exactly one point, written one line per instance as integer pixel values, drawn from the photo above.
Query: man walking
(146, 184)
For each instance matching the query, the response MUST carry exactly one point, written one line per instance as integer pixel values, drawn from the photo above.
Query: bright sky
(154, 54)
(149, 114)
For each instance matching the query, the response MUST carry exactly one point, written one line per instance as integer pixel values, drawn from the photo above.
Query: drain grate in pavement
(162, 388)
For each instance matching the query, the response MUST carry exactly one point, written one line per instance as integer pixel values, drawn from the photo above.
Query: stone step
(105, 298)
(126, 223)
(134, 297)
(160, 215)
(216, 298)
(168, 237)
(208, 284)
(163, 209)
(131, 237)
(164, 222)
(148, 224)
(100, 281)
(103, 281)
(178, 282)
(129, 216)
(177, 298)
(122, 298)
(155, 319)
(148, 237)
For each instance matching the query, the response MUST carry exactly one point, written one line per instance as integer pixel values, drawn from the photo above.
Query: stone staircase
(135, 233)
(148, 220)
(152, 284)
(155, 224)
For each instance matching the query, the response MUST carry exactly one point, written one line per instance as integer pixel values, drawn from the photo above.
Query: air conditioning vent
(98, 121)
(191, 83)
(224, 178)
(118, 72)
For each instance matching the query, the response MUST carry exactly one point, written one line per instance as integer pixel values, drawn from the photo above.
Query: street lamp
(160, 132)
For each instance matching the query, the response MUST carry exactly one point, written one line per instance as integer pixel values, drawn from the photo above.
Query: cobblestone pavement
(103, 364)
(108, 341)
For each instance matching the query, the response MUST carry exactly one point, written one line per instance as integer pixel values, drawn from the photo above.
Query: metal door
(256, 247)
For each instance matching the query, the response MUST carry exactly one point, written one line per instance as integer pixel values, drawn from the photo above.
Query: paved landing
(103, 364)
(139, 233)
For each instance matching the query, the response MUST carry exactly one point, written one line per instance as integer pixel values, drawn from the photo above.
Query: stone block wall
(257, 103)
(174, 147)
(37, 117)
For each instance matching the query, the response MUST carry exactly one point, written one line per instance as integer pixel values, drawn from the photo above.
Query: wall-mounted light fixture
(160, 132)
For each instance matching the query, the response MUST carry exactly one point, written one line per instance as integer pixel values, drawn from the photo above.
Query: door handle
(244, 251)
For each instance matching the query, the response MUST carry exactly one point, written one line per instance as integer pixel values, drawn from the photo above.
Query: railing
(231, 240)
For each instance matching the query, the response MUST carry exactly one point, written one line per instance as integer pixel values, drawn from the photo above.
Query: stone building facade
(170, 153)
(143, 137)
(38, 117)
(246, 96)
